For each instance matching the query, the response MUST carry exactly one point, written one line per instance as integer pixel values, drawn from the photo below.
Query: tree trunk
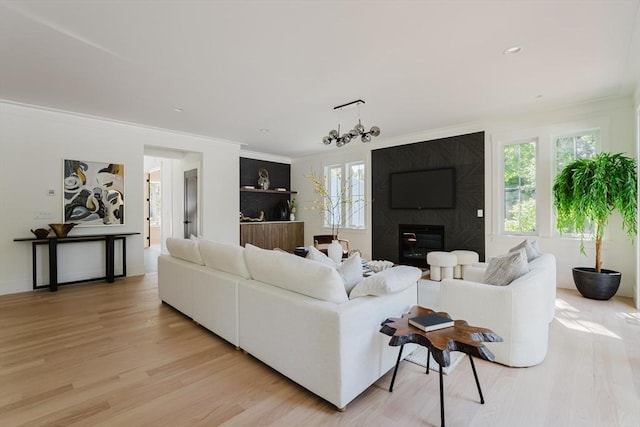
(599, 231)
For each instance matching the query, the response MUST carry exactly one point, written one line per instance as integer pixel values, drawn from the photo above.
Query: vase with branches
(336, 206)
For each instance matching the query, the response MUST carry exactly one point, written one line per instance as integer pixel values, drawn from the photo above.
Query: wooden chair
(321, 242)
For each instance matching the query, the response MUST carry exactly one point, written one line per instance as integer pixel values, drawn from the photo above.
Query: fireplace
(417, 240)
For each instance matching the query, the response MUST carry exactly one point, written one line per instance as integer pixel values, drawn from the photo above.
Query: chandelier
(357, 131)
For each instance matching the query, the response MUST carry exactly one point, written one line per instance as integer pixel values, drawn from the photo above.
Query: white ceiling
(236, 67)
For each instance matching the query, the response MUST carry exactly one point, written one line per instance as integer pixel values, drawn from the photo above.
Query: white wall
(33, 143)
(618, 117)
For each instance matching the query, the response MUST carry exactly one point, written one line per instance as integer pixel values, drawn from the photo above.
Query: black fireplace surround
(417, 240)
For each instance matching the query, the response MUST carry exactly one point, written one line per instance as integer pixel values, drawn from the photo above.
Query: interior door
(190, 203)
(147, 222)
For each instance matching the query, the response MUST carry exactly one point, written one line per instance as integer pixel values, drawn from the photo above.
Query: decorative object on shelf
(378, 266)
(93, 193)
(263, 179)
(281, 211)
(248, 219)
(292, 209)
(585, 194)
(41, 233)
(357, 131)
(334, 251)
(62, 230)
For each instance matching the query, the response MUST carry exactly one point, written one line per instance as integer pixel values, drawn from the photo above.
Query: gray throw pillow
(504, 269)
(530, 252)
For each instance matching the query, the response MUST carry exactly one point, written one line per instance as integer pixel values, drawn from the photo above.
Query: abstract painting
(93, 193)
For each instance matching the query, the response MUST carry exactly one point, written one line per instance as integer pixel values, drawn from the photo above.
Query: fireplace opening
(417, 240)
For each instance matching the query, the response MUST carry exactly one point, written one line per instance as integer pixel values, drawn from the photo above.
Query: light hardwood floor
(114, 355)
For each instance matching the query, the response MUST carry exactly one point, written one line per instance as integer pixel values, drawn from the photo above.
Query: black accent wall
(462, 228)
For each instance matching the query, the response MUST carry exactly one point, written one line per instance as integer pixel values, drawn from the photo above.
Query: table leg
(428, 360)
(395, 370)
(475, 375)
(53, 264)
(441, 398)
(109, 258)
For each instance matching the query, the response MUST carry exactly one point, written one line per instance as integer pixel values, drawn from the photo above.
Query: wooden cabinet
(286, 235)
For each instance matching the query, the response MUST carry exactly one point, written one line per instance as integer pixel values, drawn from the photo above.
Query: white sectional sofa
(519, 312)
(294, 314)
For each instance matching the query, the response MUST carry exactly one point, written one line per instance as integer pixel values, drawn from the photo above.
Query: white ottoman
(441, 265)
(465, 258)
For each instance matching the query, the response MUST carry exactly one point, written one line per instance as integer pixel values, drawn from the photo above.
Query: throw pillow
(530, 252)
(295, 273)
(224, 257)
(315, 255)
(504, 269)
(184, 249)
(536, 248)
(351, 271)
(388, 281)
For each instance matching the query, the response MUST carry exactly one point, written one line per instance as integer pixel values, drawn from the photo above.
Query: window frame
(346, 215)
(502, 190)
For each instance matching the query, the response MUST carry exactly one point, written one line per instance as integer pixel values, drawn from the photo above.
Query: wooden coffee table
(460, 337)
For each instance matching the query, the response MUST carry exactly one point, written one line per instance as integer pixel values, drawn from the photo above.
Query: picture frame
(93, 193)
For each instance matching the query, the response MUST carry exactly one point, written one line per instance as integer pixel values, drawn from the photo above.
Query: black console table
(53, 242)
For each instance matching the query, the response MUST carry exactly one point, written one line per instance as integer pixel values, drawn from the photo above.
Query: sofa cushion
(530, 251)
(504, 269)
(224, 257)
(296, 274)
(388, 281)
(184, 249)
(351, 271)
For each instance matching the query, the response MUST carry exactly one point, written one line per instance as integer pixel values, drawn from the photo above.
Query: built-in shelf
(258, 190)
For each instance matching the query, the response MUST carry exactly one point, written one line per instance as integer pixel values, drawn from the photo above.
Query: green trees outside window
(520, 187)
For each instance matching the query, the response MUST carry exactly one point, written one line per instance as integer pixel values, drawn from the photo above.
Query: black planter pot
(600, 286)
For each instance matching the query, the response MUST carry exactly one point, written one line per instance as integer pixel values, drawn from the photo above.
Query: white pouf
(441, 265)
(465, 258)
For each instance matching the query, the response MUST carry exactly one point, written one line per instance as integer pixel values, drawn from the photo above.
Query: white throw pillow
(529, 251)
(388, 281)
(504, 269)
(225, 257)
(351, 271)
(184, 249)
(296, 274)
(536, 248)
(316, 255)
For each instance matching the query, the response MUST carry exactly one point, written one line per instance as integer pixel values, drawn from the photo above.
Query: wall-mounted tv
(424, 189)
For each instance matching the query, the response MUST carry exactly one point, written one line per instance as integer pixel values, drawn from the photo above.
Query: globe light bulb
(353, 133)
(339, 143)
(333, 134)
(375, 131)
(326, 140)
(366, 137)
(346, 138)
(359, 128)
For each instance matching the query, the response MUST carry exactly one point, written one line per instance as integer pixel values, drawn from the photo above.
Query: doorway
(190, 203)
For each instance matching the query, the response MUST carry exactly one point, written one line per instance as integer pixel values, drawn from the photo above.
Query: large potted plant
(585, 194)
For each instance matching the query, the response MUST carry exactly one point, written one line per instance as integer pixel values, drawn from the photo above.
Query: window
(347, 196)
(519, 162)
(579, 145)
(582, 145)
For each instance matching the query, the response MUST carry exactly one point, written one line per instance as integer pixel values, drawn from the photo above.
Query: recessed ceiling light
(263, 130)
(513, 50)
(538, 96)
(178, 109)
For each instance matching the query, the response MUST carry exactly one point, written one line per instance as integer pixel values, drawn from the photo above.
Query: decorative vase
(263, 179)
(334, 251)
(292, 217)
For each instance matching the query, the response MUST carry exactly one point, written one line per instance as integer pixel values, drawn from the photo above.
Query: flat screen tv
(424, 189)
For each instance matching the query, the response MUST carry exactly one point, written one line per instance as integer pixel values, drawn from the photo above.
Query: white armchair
(519, 312)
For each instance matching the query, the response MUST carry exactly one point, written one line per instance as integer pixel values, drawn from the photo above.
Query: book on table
(431, 322)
